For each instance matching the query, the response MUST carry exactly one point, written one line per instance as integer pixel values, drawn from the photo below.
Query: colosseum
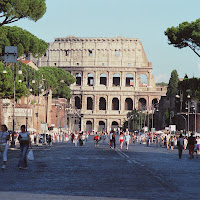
(113, 77)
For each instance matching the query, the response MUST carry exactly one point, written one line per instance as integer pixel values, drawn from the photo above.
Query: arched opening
(128, 104)
(143, 80)
(142, 104)
(103, 79)
(90, 80)
(114, 126)
(77, 102)
(155, 103)
(116, 80)
(78, 79)
(101, 126)
(89, 103)
(102, 104)
(89, 126)
(115, 104)
(129, 80)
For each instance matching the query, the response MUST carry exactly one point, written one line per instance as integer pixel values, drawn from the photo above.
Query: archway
(142, 104)
(115, 104)
(77, 102)
(103, 79)
(102, 104)
(129, 80)
(90, 79)
(101, 126)
(143, 80)
(128, 104)
(116, 80)
(114, 126)
(78, 79)
(89, 126)
(89, 103)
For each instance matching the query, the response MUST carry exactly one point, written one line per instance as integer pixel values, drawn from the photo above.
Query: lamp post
(28, 88)
(10, 56)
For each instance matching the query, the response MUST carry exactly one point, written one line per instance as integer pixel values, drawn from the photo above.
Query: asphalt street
(64, 171)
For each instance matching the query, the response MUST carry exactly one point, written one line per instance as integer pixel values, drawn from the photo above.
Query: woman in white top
(25, 142)
(4, 137)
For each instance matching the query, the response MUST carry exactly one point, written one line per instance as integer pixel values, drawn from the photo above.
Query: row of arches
(116, 79)
(142, 103)
(101, 126)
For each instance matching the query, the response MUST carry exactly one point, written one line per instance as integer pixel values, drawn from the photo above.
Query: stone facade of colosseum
(113, 77)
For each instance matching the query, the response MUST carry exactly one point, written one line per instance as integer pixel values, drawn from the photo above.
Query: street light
(28, 88)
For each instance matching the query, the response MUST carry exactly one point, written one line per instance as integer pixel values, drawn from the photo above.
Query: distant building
(113, 76)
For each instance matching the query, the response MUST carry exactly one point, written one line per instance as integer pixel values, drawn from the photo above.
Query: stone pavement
(63, 171)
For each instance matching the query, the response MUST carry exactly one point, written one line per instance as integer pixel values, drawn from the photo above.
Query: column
(84, 79)
(123, 79)
(136, 80)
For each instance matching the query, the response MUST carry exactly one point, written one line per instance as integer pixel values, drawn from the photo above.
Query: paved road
(63, 171)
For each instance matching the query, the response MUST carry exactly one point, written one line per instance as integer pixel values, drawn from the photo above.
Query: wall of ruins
(116, 59)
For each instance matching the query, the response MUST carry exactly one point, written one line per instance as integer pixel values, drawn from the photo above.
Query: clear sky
(143, 19)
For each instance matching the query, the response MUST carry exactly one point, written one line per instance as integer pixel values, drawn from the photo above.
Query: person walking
(168, 140)
(4, 137)
(191, 143)
(25, 142)
(76, 137)
(121, 140)
(114, 139)
(127, 140)
(180, 143)
(110, 136)
(172, 143)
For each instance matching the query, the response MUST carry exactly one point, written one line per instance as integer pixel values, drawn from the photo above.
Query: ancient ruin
(113, 76)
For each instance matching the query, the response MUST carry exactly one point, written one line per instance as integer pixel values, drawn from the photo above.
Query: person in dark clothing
(191, 143)
(114, 139)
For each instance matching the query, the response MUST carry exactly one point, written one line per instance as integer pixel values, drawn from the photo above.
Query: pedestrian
(96, 140)
(110, 136)
(25, 142)
(180, 142)
(168, 140)
(191, 143)
(121, 140)
(4, 138)
(127, 140)
(114, 139)
(75, 141)
(185, 143)
(196, 149)
(172, 143)
(49, 140)
(198, 144)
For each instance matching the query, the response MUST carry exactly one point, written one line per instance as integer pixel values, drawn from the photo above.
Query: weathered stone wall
(117, 60)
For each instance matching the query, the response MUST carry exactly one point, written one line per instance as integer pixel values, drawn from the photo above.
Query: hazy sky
(143, 19)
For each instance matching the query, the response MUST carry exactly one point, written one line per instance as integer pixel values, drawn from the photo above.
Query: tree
(26, 42)
(172, 88)
(185, 35)
(53, 76)
(14, 10)
(7, 84)
(162, 84)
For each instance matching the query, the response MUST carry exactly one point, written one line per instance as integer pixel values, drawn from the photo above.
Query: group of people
(79, 138)
(182, 142)
(25, 143)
